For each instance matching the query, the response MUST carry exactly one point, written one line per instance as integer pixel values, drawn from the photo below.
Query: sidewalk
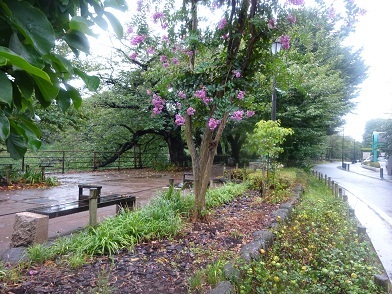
(142, 183)
(358, 169)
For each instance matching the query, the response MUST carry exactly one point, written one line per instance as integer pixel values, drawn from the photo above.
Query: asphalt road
(371, 198)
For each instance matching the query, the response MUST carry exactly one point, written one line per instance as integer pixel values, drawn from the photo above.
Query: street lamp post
(275, 48)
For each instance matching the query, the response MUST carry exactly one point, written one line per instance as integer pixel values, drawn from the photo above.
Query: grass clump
(318, 252)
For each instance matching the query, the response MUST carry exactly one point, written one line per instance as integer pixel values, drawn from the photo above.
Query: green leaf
(117, 4)
(16, 144)
(116, 25)
(33, 24)
(74, 94)
(64, 100)
(101, 22)
(4, 126)
(3, 61)
(6, 89)
(78, 41)
(20, 62)
(40, 97)
(31, 132)
(25, 83)
(27, 52)
(48, 90)
(79, 23)
(92, 82)
(62, 66)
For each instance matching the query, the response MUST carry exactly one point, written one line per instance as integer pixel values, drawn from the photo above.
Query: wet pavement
(143, 184)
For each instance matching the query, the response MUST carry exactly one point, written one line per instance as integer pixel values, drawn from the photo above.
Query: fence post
(63, 163)
(23, 163)
(93, 206)
(8, 174)
(43, 173)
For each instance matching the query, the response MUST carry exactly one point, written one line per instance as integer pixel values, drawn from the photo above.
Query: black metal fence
(70, 160)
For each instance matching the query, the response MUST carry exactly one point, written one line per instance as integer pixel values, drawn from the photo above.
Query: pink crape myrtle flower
(150, 50)
(165, 39)
(133, 55)
(165, 65)
(241, 95)
(180, 120)
(237, 115)
(174, 60)
(181, 94)
(225, 36)
(291, 18)
(163, 58)
(139, 5)
(296, 2)
(178, 105)
(158, 103)
(331, 12)
(202, 94)
(250, 113)
(272, 23)
(237, 73)
(136, 40)
(222, 23)
(213, 123)
(130, 30)
(190, 111)
(158, 15)
(285, 40)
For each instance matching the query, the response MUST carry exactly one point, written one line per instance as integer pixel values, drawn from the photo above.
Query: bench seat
(68, 208)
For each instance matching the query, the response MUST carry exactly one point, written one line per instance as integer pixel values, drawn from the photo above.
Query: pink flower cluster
(250, 113)
(202, 94)
(291, 18)
(241, 95)
(213, 123)
(285, 40)
(181, 94)
(222, 23)
(158, 15)
(272, 24)
(237, 73)
(133, 55)
(180, 120)
(158, 103)
(190, 111)
(237, 115)
(150, 50)
(130, 30)
(296, 2)
(136, 40)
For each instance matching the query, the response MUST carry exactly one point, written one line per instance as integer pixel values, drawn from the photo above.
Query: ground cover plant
(319, 251)
(156, 249)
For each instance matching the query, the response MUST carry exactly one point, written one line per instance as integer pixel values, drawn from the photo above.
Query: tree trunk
(176, 147)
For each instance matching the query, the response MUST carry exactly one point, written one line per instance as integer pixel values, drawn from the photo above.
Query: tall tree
(222, 59)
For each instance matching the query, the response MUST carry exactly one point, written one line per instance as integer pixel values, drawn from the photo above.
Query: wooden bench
(57, 210)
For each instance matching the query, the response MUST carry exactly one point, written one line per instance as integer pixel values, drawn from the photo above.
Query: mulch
(161, 266)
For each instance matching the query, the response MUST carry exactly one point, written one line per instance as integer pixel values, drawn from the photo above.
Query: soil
(161, 266)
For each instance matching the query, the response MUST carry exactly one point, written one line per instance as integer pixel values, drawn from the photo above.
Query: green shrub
(318, 252)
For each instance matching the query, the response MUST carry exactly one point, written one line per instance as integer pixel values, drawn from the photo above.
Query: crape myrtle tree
(31, 72)
(206, 66)
(206, 70)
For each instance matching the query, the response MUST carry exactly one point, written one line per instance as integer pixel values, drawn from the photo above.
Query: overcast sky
(375, 100)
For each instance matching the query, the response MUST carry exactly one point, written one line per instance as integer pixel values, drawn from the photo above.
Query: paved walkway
(358, 169)
(144, 184)
(141, 183)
